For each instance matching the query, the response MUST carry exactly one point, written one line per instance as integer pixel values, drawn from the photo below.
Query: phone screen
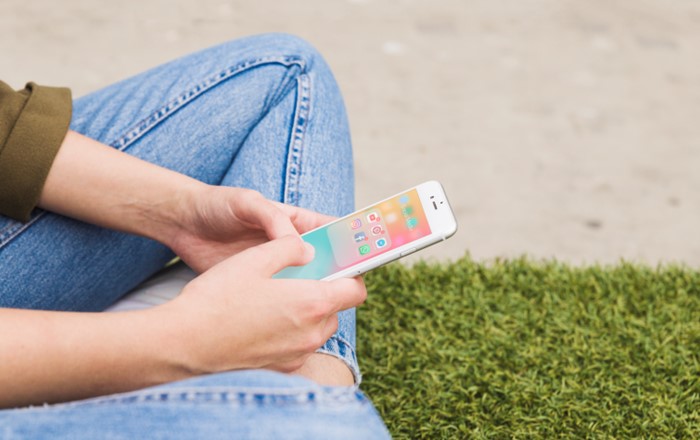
(362, 235)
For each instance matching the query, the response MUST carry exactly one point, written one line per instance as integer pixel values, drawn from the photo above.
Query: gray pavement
(559, 128)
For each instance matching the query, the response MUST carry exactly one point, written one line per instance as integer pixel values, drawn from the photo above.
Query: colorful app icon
(403, 199)
(380, 243)
(411, 222)
(355, 224)
(373, 217)
(360, 236)
(377, 230)
(407, 210)
(364, 249)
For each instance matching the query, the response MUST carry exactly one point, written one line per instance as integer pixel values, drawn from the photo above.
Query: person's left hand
(218, 222)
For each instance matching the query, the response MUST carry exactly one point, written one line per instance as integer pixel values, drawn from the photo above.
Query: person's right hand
(235, 316)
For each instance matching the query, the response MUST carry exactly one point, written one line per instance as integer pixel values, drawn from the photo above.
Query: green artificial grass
(523, 349)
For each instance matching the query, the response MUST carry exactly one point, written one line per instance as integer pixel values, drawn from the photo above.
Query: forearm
(97, 184)
(60, 356)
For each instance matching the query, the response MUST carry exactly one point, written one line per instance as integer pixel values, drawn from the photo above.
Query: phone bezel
(437, 209)
(441, 221)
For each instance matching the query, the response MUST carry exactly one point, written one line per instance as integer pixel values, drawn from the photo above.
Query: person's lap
(246, 404)
(262, 113)
(232, 132)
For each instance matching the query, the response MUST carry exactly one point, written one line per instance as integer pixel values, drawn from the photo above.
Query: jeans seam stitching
(223, 393)
(190, 95)
(18, 229)
(296, 141)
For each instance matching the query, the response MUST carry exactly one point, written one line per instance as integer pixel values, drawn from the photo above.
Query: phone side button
(410, 251)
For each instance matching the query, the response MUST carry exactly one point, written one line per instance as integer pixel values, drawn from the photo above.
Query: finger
(303, 219)
(330, 327)
(330, 296)
(348, 293)
(273, 256)
(260, 211)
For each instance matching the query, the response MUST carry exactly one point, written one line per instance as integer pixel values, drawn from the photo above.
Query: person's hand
(203, 224)
(217, 222)
(235, 316)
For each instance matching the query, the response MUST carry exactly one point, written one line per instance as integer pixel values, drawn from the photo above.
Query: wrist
(174, 342)
(167, 218)
(97, 184)
(178, 339)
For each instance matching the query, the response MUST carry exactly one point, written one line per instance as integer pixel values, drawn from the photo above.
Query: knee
(287, 45)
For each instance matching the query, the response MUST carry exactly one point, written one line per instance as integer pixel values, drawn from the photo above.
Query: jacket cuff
(31, 148)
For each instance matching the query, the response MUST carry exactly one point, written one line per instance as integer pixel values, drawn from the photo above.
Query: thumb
(274, 255)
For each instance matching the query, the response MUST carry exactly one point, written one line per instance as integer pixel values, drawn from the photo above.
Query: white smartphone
(378, 234)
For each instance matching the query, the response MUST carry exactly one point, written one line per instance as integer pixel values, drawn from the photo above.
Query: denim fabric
(236, 405)
(262, 112)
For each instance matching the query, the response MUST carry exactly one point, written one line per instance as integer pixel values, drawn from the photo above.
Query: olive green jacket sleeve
(33, 123)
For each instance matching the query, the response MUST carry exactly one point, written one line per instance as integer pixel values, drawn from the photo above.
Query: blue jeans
(261, 112)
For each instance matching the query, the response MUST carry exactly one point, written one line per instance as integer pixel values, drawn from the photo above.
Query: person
(222, 158)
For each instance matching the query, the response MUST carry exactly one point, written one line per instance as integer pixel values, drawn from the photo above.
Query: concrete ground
(560, 128)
